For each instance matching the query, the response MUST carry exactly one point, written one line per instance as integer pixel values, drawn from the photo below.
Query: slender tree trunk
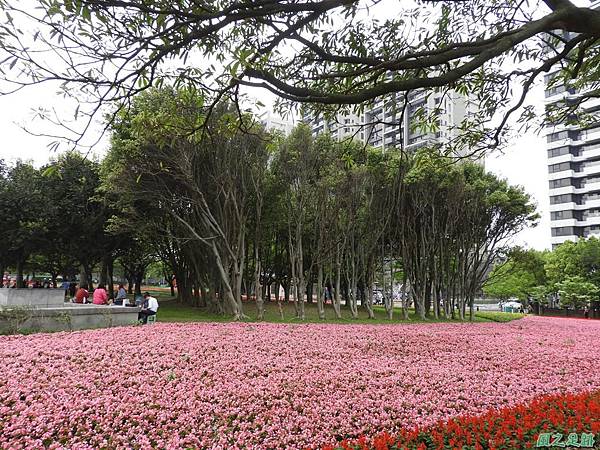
(20, 283)
(129, 278)
(138, 282)
(83, 276)
(368, 295)
(428, 294)
(286, 291)
(338, 278)
(309, 290)
(227, 292)
(258, 294)
(404, 295)
(471, 307)
(320, 306)
(104, 271)
(110, 268)
(389, 299)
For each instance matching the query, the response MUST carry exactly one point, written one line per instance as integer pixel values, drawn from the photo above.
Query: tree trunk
(129, 278)
(471, 308)
(20, 273)
(337, 300)
(389, 300)
(84, 276)
(228, 295)
(138, 283)
(309, 290)
(104, 272)
(428, 293)
(368, 298)
(300, 288)
(172, 286)
(258, 294)
(353, 288)
(320, 306)
(404, 295)
(110, 268)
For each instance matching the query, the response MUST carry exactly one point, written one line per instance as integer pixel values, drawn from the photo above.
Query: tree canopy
(236, 212)
(568, 274)
(328, 54)
(518, 276)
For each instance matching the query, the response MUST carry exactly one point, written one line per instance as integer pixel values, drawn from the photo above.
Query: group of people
(80, 294)
(100, 297)
(33, 284)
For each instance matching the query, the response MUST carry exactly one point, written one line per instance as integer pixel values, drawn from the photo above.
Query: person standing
(100, 296)
(586, 312)
(149, 308)
(65, 286)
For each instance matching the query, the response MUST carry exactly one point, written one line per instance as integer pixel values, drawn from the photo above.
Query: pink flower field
(255, 386)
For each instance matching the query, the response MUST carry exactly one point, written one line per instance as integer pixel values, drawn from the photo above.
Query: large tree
(322, 52)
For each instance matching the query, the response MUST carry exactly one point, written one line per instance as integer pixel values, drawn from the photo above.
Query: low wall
(36, 298)
(69, 318)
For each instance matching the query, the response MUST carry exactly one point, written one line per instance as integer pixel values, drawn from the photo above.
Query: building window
(563, 182)
(561, 135)
(557, 136)
(565, 198)
(559, 215)
(553, 168)
(554, 152)
(562, 231)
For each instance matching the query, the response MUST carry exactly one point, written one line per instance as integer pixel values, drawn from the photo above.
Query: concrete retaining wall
(72, 317)
(36, 298)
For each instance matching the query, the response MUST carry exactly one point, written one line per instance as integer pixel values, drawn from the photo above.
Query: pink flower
(271, 386)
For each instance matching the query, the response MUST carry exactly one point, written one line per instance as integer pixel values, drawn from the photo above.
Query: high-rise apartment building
(573, 169)
(383, 125)
(574, 175)
(273, 122)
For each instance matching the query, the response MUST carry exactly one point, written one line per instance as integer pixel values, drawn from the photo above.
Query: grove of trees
(235, 212)
(55, 221)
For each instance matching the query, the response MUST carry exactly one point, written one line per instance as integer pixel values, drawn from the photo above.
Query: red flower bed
(506, 428)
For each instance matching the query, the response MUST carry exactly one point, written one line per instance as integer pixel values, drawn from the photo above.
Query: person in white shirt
(149, 308)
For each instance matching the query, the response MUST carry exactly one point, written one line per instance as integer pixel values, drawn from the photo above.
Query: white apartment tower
(573, 170)
(383, 125)
(574, 175)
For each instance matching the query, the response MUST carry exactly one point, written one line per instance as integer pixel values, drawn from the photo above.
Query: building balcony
(588, 204)
(560, 239)
(566, 190)
(562, 158)
(587, 154)
(563, 174)
(589, 137)
(563, 206)
(565, 95)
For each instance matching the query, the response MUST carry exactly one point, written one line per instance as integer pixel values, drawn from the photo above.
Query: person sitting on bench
(121, 296)
(149, 308)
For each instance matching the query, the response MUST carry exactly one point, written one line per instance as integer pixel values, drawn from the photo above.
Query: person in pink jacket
(100, 296)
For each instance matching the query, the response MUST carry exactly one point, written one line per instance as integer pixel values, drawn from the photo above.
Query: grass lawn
(172, 311)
